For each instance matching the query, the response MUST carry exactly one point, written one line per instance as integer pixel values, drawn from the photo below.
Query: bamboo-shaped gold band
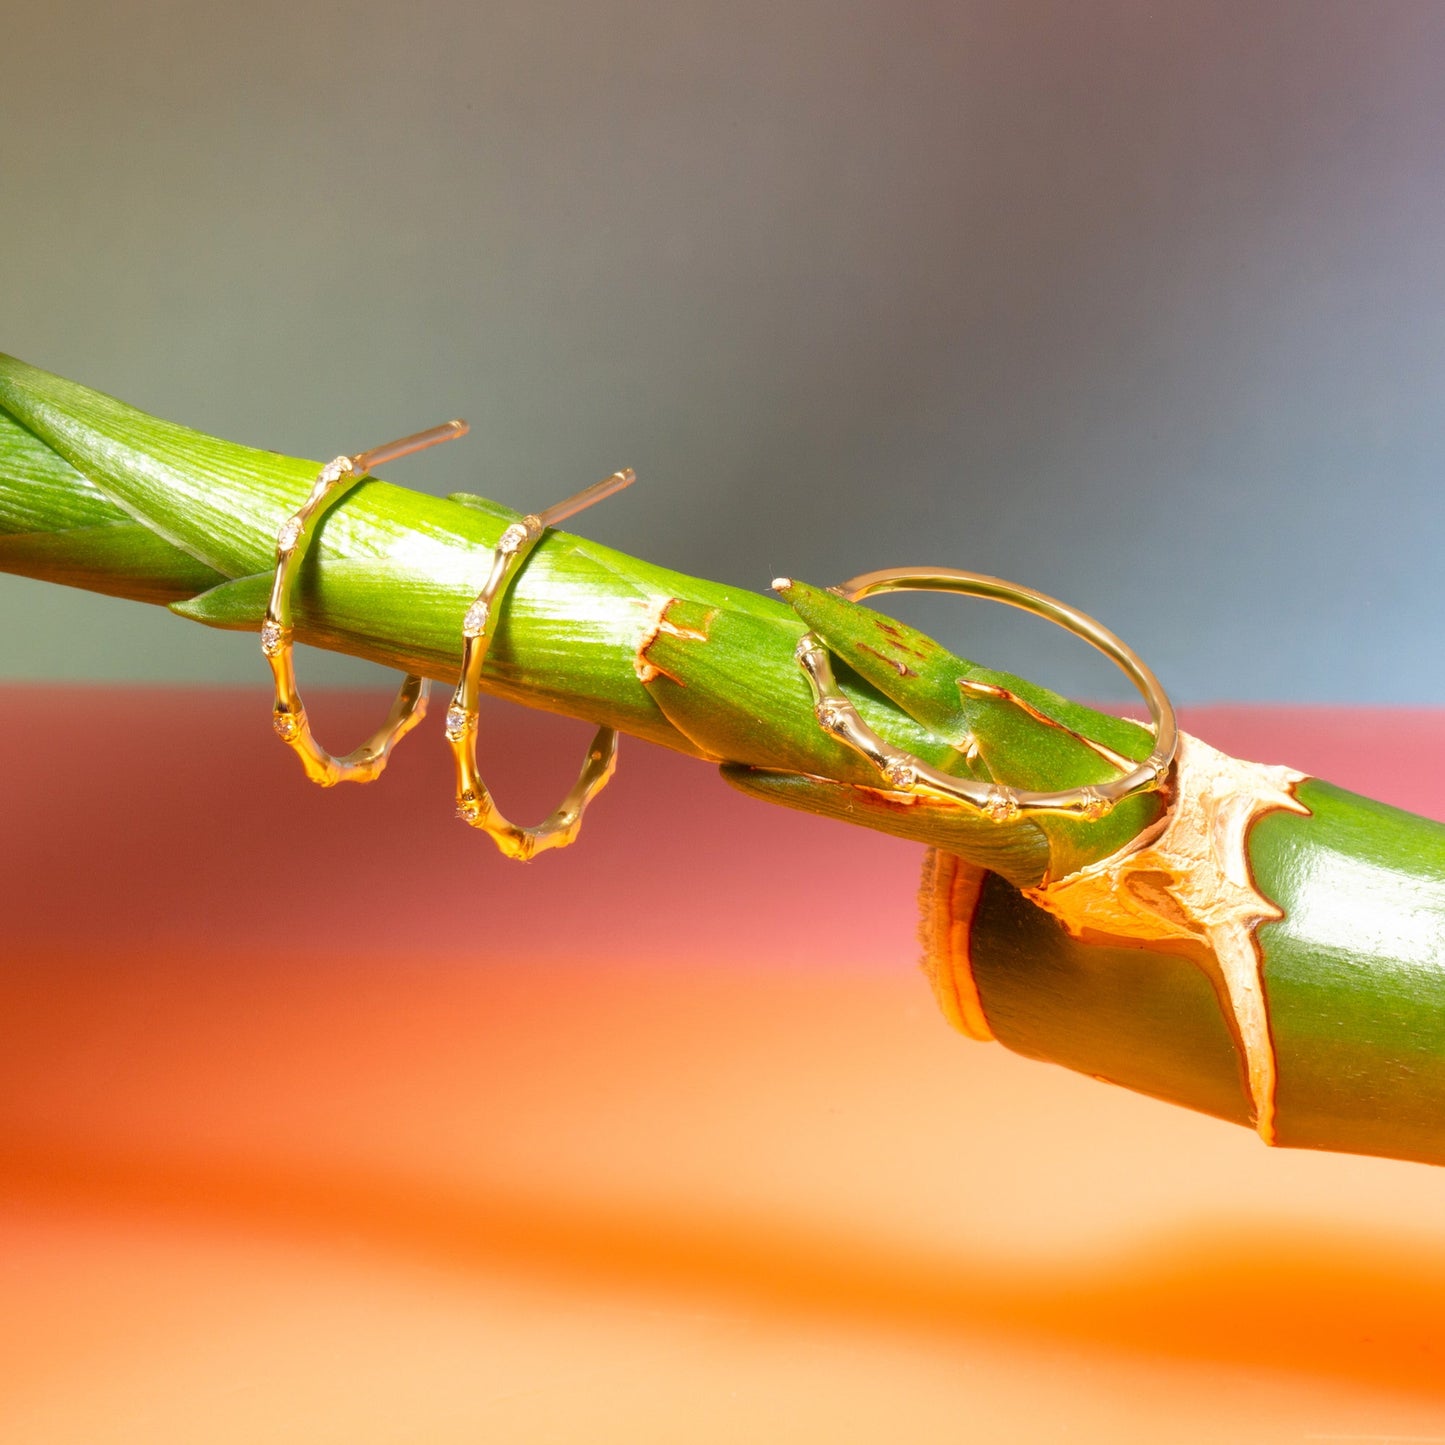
(906, 773)
(288, 714)
(474, 802)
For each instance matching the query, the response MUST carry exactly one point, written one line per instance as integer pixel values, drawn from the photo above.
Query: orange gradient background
(319, 1121)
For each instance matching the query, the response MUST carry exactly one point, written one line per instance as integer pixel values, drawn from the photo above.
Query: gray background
(1141, 304)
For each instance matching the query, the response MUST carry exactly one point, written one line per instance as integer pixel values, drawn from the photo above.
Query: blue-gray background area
(1139, 304)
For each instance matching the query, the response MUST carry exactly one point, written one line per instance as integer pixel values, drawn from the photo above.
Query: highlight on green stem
(1249, 942)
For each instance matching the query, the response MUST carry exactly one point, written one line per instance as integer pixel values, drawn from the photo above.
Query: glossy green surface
(1132, 1016)
(1354, 978)
(1356, 974)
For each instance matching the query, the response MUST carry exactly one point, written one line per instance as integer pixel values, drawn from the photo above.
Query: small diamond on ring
(900, 773)
(1000, 806)
(475, 622)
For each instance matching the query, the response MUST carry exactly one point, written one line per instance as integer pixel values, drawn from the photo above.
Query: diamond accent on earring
(514, 538)
(900, 773)
(459, 723)
(272, 637)
(289, 534)
(287, 725)
(832, 713)
(468, 808)
(334, 470)
(1096, 805)
(475, 622)
(1000, 806)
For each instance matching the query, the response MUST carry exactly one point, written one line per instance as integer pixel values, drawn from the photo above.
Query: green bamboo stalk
(1354, 973)
(98, 495)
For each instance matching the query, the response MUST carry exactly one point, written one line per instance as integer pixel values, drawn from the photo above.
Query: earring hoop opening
(906, 773)
(288, 713)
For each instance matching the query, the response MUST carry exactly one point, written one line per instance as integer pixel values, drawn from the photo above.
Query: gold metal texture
(906, 773)
(475, 804)
(288, 714)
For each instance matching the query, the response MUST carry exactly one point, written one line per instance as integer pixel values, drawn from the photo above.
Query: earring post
(587, 497)
(405, 446)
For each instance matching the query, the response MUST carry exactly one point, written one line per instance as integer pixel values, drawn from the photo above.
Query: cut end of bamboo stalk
(948, 898)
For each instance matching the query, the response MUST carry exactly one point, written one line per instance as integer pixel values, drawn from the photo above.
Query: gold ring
(906, 773)
(474, 802)
(288, 713)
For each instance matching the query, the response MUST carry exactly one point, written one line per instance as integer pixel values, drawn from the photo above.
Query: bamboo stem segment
(1293, 981)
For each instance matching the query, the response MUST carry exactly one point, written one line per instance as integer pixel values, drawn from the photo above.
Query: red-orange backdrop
(367, 1135)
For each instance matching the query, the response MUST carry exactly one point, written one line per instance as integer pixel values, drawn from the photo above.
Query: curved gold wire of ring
(474, 802)
(906, 773)
(288, 713)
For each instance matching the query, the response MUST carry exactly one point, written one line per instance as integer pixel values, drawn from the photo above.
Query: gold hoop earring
(288, 713)
(474, 802)
(906, 773)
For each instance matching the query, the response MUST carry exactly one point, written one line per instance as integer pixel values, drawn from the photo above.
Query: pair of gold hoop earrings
(900, 771)
(363, 765)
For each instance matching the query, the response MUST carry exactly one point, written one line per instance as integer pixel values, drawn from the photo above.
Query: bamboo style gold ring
(906, 773)
(288, 714)
(474, 802)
